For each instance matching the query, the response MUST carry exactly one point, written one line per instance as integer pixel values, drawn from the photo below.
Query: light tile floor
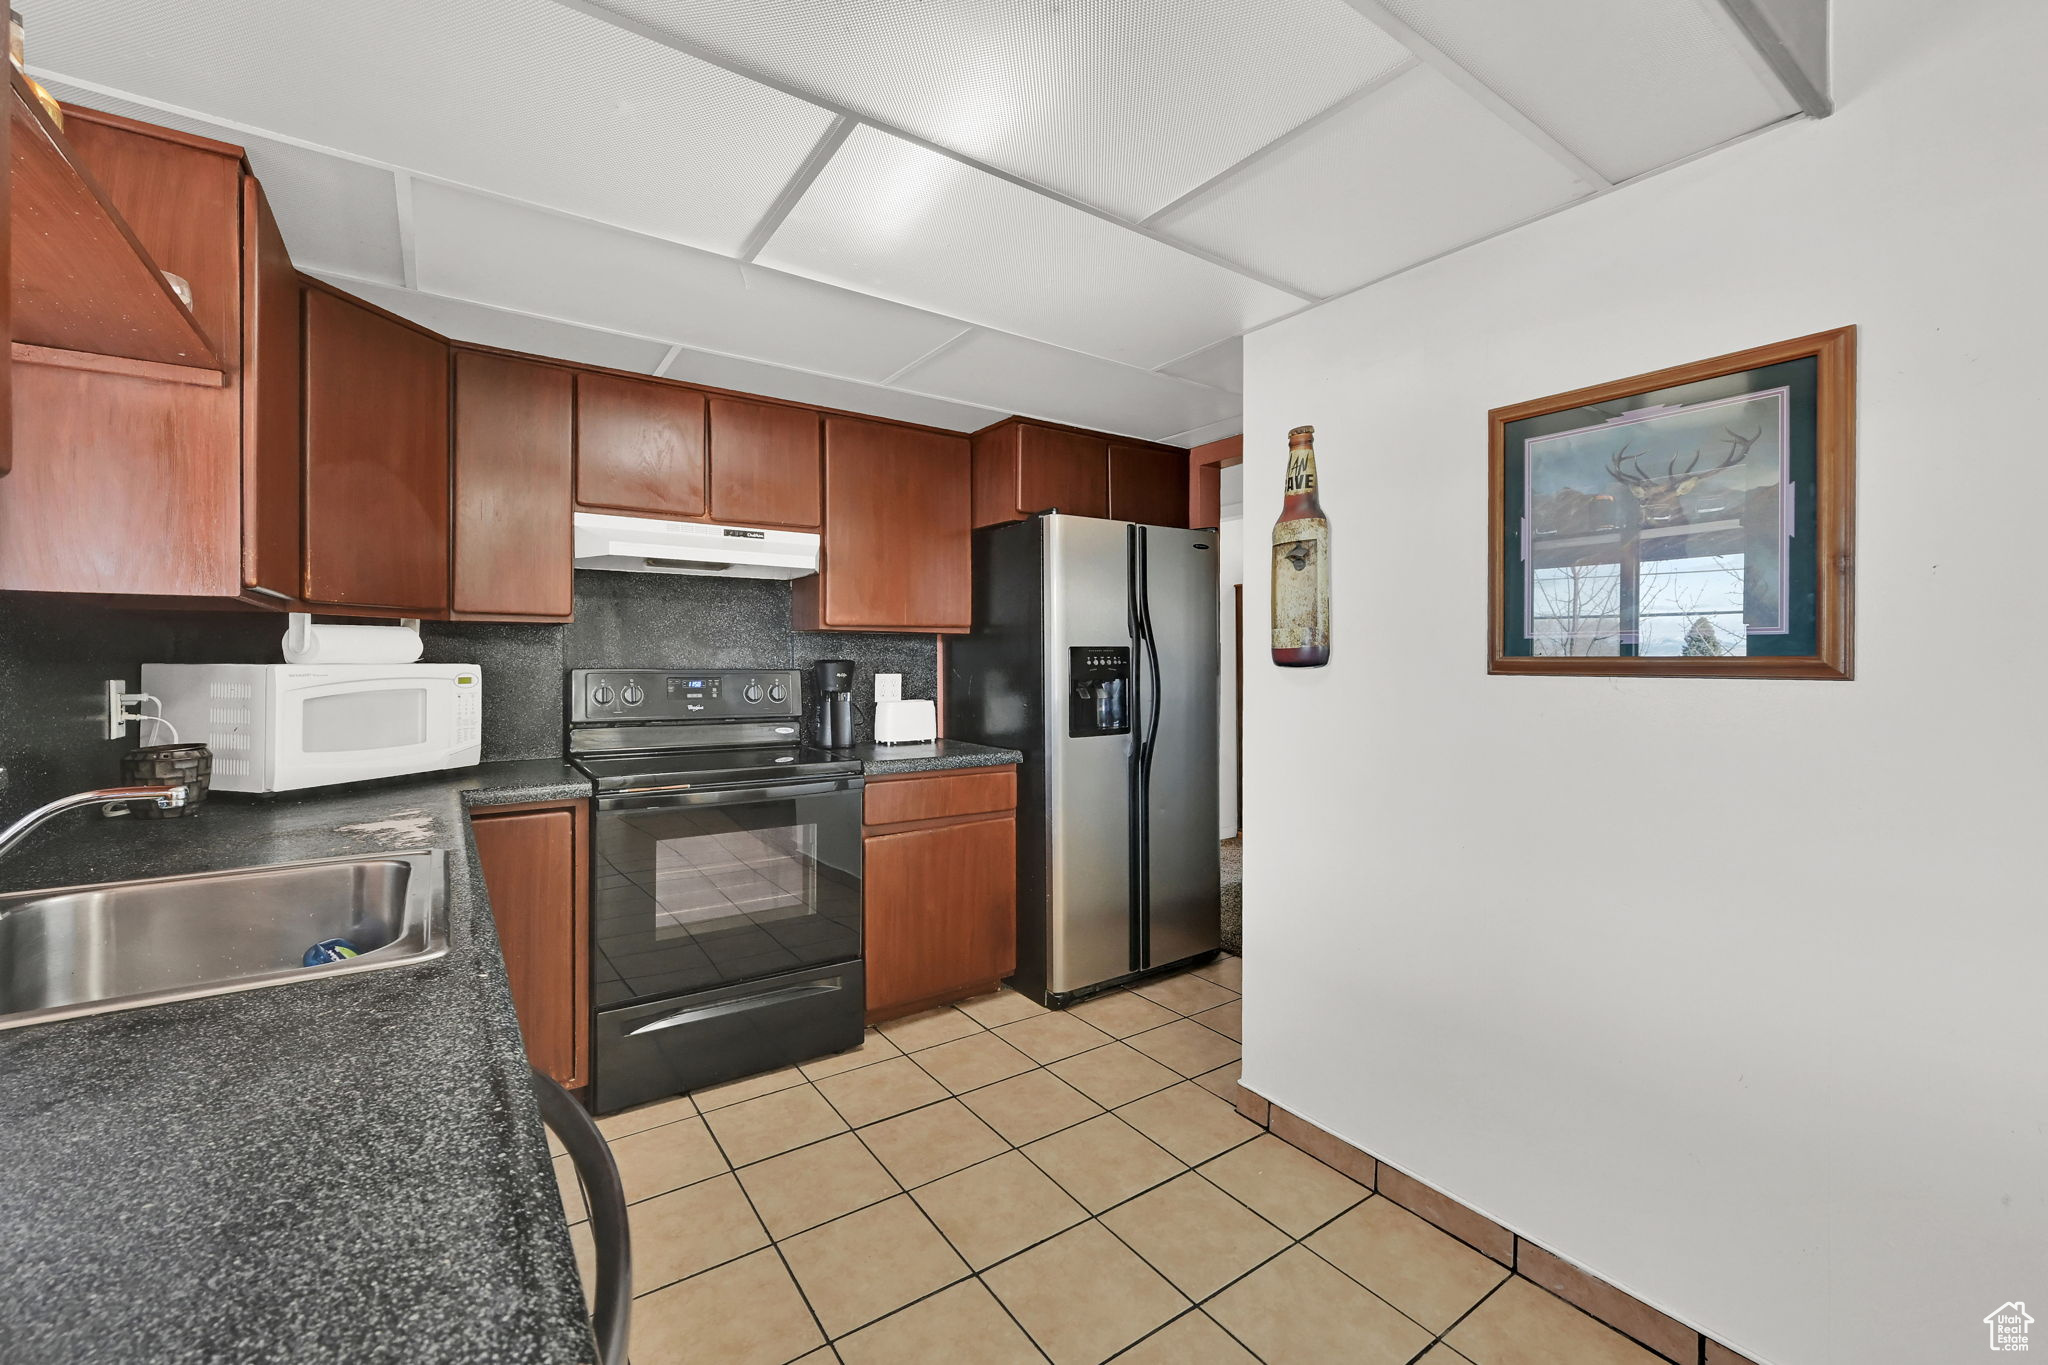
(993, 1182)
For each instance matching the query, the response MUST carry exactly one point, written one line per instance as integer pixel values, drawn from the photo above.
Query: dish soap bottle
(1301, 563)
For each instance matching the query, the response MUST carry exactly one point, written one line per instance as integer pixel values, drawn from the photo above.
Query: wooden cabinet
(1148, 484)
(273, 477)
(897, 552)
(128, 474)
(1023, 467)
(514, 458)
(940, 894)
(536, 862)
(639, 447)
(941, 796)
(765, 465)
(376, 459)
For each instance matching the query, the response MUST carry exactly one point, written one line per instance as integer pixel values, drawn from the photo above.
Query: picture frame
(1697, 521)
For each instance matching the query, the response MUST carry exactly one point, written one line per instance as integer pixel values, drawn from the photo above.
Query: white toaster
(906, 722)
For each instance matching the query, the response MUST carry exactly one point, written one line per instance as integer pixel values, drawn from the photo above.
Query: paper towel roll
(307, 643)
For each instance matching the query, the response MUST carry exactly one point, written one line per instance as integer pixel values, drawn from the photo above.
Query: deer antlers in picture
(1657, 494)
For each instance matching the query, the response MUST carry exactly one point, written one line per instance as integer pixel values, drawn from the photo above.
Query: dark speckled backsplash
(56, 652)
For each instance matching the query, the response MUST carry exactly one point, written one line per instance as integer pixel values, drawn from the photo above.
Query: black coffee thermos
(832, 714)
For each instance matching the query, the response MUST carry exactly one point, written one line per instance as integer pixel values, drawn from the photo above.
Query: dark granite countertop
(343, 1170)
(879, 760)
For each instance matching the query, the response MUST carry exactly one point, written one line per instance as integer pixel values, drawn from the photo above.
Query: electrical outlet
(117, 717)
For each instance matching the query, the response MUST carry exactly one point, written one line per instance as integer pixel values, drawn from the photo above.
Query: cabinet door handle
(745, 1002)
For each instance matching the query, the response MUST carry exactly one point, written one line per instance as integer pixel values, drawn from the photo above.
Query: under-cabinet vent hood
(650, 545)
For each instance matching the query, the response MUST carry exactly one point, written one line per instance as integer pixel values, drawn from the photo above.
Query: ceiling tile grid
(515, 256)
(1013, 374)
(888, 217)
(1220, 366)
(462, 320)
(1412, 171)
(525, 98)
(335, 213)
(1630, 85)
(1126, 104)
(801, 386)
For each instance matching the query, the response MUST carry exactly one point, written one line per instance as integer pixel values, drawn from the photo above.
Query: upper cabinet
(639, 447)
(899, 514)
(376, 459)
(1148, 484)
(86, 288)
(661, 449)
(273, 476)
(128, 473)
(514, 456)
(1022, 468)
(766, 467)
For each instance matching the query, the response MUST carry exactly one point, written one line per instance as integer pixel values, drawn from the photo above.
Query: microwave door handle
(746, 1002)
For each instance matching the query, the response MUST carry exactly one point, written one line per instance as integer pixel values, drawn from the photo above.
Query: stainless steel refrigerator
(1094, 651)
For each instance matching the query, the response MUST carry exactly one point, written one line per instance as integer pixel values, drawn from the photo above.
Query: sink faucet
(165, 797)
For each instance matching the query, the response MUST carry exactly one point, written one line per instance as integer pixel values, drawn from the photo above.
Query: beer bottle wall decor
(1301, 563)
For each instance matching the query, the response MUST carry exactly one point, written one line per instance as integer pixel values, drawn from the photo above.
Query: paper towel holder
(298, 624)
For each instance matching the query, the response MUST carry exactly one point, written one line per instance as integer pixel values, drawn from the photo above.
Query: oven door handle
(670, 797)
(699, 1013)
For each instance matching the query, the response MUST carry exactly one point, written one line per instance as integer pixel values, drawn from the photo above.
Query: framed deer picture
(1695, 522)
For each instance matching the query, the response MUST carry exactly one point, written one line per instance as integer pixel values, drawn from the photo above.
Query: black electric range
(725, 880)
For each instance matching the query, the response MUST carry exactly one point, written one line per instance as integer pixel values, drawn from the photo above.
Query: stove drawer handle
(745, 1002)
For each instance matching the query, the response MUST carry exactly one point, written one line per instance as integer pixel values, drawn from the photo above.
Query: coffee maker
(832, 703)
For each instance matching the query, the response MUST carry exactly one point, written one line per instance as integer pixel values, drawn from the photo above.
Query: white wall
(1731, 991)
(1229, 573)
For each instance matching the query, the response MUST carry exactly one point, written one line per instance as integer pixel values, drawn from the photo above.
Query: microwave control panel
(469, 707)
(637, 694)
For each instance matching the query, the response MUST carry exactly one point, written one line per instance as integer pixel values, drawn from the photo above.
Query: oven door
(699, 890)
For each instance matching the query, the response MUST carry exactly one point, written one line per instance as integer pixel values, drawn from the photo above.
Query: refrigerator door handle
(1140, 855)
(1146, 656)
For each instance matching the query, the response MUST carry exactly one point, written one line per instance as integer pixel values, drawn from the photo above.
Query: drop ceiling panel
(1630, 85)
(1220, 366)
(1126, 105)
(514, 256)
(890, 218)
(522, 97)
(464, 321)
(1415, 169)
(1011, 374)
(800, 386)
(335, 214)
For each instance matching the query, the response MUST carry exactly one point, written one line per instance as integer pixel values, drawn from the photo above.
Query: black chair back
(606, 1196)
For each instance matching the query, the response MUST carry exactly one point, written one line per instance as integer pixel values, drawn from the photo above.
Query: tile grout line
(804, 1081)
(972, 1273)
(773, 1243)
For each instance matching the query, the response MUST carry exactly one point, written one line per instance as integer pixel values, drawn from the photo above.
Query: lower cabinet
(940, 895)
(536, 862)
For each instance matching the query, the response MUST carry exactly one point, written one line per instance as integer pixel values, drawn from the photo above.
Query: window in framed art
(1695, 521)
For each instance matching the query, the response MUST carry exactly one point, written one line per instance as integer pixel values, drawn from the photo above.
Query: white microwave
(280, 727)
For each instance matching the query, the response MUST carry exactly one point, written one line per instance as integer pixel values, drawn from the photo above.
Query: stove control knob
(601, 694)
(632, 695)
(753, 692)
(775, 692)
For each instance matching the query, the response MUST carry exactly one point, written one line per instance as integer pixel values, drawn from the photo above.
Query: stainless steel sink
(122, 945)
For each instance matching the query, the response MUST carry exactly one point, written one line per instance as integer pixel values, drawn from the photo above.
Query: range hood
(651, 545)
